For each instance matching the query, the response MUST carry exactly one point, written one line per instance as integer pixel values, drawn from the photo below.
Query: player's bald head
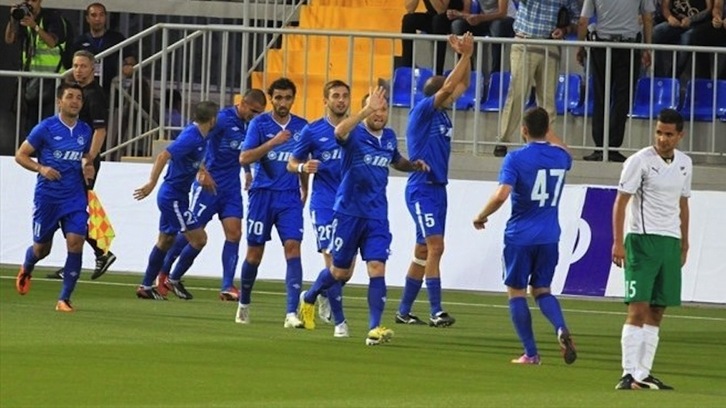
(433, 84)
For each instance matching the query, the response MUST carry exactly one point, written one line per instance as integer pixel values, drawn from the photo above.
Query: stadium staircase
(307, 62)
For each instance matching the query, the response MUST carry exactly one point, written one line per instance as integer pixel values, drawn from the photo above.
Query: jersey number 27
(541, 186)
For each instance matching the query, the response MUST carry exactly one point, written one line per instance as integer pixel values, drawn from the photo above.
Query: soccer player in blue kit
(534, 176)
(186, 154)
(360, 221)
(428, 137)
(221, 161)
(61, 144)
(275, 197)
(317, 152)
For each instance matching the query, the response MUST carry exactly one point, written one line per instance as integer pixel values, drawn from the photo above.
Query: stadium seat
(702, 92)
(586, 108)
(496, 92)
(468, 99)
(665, 94)
(403, 78)
(569, 93)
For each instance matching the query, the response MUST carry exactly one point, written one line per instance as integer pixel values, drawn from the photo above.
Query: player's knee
(435, 248)
(254, 254)
(420, 252)
(341, 274)
(42, 250)
(233, 236)
(165, 241)
(292, 249)
(198, 239)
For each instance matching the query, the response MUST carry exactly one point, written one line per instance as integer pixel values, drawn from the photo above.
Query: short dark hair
(255, 95)
(433, 84)
(334, 84)
(67, 85)
(669, 115)
(537, 122)
(88, 8)
(205, 111)
(282, 84)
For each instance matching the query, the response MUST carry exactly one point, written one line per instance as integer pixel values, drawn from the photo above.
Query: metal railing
(186, 65)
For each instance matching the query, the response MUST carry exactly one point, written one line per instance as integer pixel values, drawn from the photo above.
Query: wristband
(300, 167)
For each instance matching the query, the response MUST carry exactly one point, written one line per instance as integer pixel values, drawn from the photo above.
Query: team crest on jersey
(196, 164)
(325, 156)
(389, 146)
(81, 141)
(296, 136)
(367, 159)
(234, 144)
(271, 155)
(57, 154)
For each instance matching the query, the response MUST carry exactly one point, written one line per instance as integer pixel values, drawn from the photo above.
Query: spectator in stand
(535, 65)
(490, 18)
(682, 18)
(618, 22)
(41, 34)
(433, 21)
(98, 39)
(711, 34)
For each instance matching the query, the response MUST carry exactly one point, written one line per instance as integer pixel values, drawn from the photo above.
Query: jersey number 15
(541, 186)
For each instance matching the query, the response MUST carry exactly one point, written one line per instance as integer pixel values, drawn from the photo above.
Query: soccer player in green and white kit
(658, 179)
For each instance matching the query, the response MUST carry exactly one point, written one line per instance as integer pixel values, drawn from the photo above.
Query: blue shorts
(175, 214)
(532, 265)
(225, 204)
(323, 225)
(283, 209)
(71, 218)
(350, 233)
(427, 205)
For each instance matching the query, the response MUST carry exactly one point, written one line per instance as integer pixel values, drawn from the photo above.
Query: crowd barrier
(472, 260)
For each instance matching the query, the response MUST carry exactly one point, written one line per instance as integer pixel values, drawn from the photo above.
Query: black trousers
(622, 81)
(432, 24)
(706, 35)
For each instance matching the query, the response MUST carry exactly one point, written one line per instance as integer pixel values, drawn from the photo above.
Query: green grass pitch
(118, 351)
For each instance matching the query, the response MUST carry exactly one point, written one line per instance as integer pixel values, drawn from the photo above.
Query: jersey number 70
(541, 186)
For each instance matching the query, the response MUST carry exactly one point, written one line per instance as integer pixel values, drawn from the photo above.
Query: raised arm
(458, 80)
(376, 100)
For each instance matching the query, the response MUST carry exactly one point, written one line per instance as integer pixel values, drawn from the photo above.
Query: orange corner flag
(99, 226)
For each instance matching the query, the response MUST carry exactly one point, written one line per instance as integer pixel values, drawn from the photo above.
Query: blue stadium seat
(496, 92)
(468, 99)
(665, 94)
(568, 95)
(702, 91)
(401, 86)
(585, 108)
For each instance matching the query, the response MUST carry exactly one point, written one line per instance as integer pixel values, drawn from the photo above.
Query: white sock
(647, 355)
(631, 341)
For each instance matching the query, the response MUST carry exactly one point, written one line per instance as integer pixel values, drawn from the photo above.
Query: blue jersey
(536, 173)
(223, 148)
(186, 152)
(317, 141)
(60, 147)
(364, 172)
(271, 170)
(428, 138)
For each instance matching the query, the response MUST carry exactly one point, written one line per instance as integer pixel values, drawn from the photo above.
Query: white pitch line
(482, 305)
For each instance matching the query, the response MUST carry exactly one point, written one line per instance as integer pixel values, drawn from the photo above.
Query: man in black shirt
(433, 21)
(95, 113)
(99, 39)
